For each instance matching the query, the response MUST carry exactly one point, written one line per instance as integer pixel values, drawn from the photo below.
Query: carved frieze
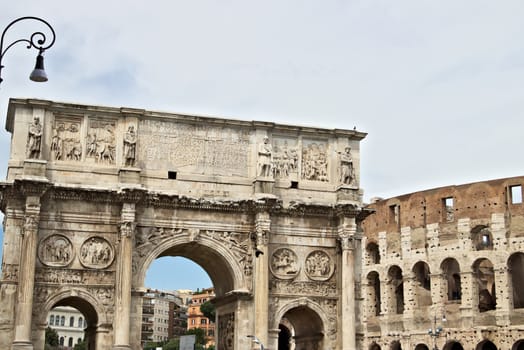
(315, 160)
(66, 142)
(306, 288)
(55, 250)
(226, 331)
(284, 264)
(285, 158)
(194, 148)
(96, 253)
(101, 141)
(72, 276)
(319, 266)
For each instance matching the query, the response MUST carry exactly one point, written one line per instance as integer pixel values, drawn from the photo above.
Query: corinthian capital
(127, 228)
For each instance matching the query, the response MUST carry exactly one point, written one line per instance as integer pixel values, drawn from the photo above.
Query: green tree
(51, 338)
(208, 310)
(172, 344)
(80, 346)
(200, 335)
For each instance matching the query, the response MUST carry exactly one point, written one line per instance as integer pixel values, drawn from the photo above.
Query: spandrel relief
(319, 266)
(55, 250)
(226, 329)
(96, 253)
(284, 263)
(65, 143)
(315, 161)
(101, 143)
(285, 158)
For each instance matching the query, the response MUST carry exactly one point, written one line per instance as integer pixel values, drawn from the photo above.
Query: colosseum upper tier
(444, 268)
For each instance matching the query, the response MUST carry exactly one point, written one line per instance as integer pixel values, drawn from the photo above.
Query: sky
(437, 85)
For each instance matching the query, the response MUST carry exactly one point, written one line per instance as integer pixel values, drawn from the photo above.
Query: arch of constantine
(94, 194)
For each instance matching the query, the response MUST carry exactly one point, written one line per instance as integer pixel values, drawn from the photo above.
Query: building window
(71, 321)
(80, 322)
(62, 321)
(448, 209)
(203, 321)
(193, 321)
(394, 215)
(62, 341)
(515, 194)
(51, 320)
(70, 342)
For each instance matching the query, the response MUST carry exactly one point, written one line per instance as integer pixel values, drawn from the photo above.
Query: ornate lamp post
(37, 40)
(436, 330)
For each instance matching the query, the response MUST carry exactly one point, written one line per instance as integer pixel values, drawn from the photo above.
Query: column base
(121, 347)
(22, 345)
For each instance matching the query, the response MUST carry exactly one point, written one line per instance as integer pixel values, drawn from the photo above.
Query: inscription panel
(193, 148)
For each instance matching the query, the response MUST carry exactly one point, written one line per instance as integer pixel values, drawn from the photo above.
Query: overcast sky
(437, 85)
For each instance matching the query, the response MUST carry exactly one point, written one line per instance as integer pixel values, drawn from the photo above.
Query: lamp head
(38, 74)
(258, 252)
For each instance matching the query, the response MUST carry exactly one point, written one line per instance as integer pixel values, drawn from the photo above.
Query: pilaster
(261, 280)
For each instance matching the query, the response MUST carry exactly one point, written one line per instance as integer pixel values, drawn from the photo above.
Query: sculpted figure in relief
(96, 252)
(314, 162)
(347, 172)
(101, 142)
(318, 265)
(130, 146)
(285, 160)
(284, 263)
(56, 250)
(34, 139)
(264, 158)
(65, 143)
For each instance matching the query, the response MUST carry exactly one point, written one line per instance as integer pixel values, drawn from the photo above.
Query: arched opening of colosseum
(305, 326)
(372, 253)
(89, 321)
(395, 290)
(374, 346)
(516, 269)
(482, 238)
(395, 345)
(451, 272)
(423, 283)
(485, 284)
(373, 292)
(453, 345)
(486, 345)
(421, 347)
(519, 345)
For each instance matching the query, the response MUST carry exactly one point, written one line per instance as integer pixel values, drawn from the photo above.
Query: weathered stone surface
(99, 193)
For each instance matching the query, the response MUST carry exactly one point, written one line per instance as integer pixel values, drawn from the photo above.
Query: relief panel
(55, 250)
(96, 253)
(66, 141)
(285, 158)
(101, 141)
(284, 264)
(315, 160)
(319, 266)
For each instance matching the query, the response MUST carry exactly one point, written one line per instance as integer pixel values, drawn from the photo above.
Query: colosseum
(444, 269)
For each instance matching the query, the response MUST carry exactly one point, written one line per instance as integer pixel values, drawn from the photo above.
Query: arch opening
(486, 345)
(305, 328)
(423, 283)
(451, 271)
(396, 289)
(453, 345)
(516, 270)
(485, 282)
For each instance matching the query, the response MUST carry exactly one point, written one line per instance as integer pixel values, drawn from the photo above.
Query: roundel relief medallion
(96, 253)
(319, 266)
(55, 250)
(284, 263)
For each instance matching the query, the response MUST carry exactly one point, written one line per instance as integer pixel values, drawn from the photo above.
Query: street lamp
(256, 341)
(436, 330)
(36, 40)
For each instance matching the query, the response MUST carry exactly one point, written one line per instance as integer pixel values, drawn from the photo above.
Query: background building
(448, 260)
(195, 317)
(163, 316)
(69, 323)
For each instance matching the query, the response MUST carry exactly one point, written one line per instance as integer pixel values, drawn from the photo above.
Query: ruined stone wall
(454, 251)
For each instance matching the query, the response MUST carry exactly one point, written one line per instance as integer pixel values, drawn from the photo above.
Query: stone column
(261, 278)
(121, 323)
(26, 282)
(346, 234)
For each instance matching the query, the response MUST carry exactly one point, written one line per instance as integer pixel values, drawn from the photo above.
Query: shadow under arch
(519, 345)
(453, 345)
(486, 345)
(305, 320)
(94, 314)
(216, 259)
